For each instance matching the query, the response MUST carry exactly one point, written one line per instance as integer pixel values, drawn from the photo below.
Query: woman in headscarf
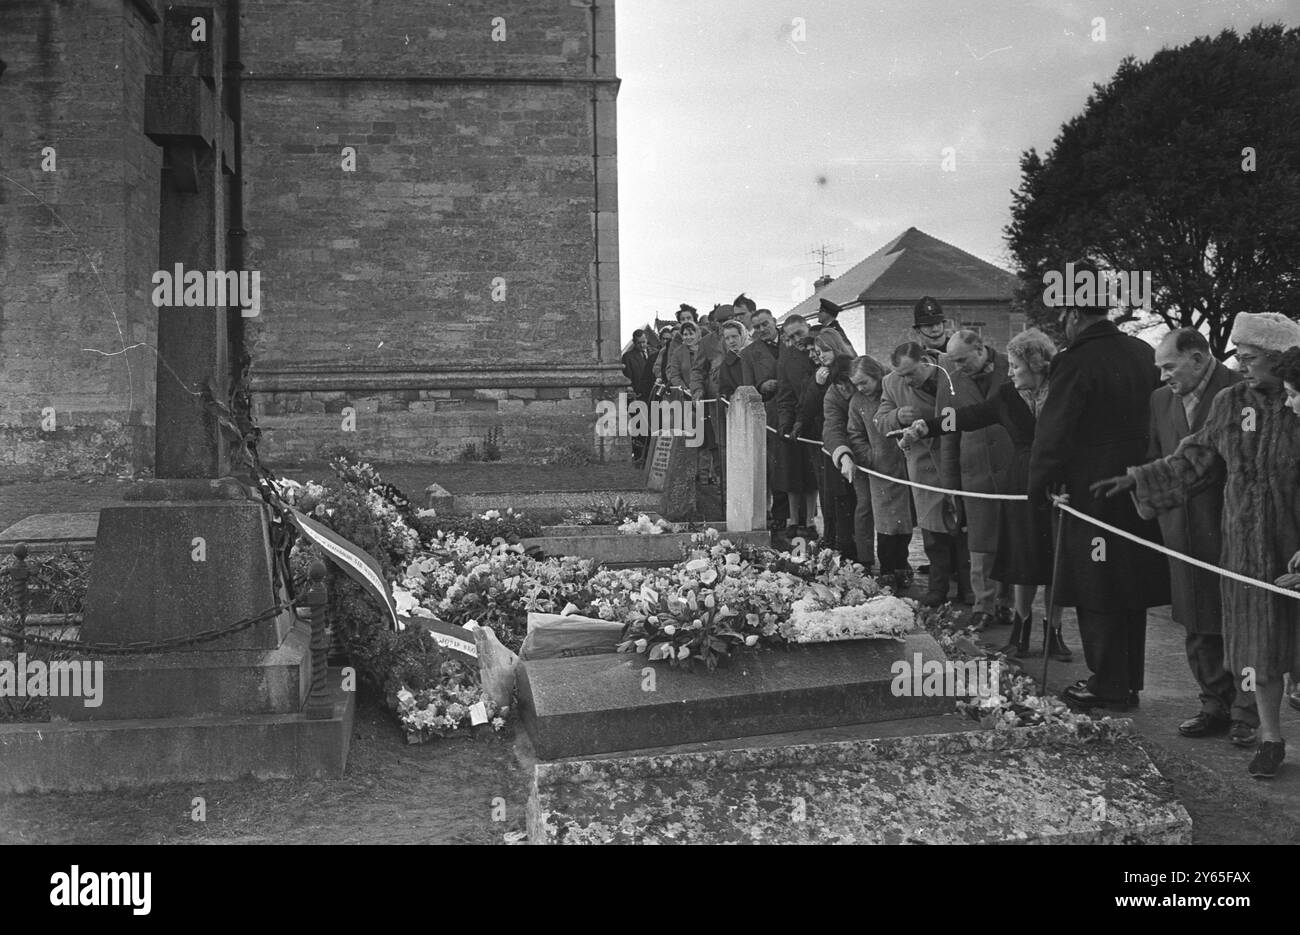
(880, 503)
(1024, 556)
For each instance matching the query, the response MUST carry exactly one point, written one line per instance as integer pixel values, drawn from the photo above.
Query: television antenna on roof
(825, 254)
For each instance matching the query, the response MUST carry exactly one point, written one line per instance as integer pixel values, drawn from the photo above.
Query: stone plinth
(746, 461)
(168, 568)
(596, 704)
(1038, 785)
(200, 684)
(89, 756)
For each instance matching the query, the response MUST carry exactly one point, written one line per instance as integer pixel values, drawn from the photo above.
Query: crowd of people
(1165, 444)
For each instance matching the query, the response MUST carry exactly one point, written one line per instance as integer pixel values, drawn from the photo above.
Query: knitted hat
(1269, 331)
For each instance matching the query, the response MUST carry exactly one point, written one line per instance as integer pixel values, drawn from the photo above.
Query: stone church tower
(427, 190)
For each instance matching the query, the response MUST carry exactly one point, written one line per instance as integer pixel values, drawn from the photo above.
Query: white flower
(670, 629)
(683, 652)
(492, 514)
(751, 640)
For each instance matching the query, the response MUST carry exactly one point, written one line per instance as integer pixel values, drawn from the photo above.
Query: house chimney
(822, 282)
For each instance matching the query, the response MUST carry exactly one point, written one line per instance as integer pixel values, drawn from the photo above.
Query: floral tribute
(722, 597)
(1017, 702)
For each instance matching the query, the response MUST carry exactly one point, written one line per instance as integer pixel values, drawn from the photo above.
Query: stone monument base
(90, 756)
(1037, 785)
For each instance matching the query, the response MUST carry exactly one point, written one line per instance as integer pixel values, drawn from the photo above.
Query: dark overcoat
(1024, 540)
(1192, 529)
(795, 473)
(730, 375)
(640, 372)
(1094, 425)
(758, 361)
(978, 460)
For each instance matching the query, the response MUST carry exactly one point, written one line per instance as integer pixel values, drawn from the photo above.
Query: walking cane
(1059, 516)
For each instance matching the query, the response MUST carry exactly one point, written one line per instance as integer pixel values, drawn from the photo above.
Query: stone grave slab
(595, 704)
(1036, 785)
(52, 532)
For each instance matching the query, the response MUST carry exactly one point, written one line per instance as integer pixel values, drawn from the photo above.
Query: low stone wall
(437, 424)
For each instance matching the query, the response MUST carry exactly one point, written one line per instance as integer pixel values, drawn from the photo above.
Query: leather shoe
(1003, 617)
(980, 621)
(1084, 698)
(1203, 725)
(1241, 734)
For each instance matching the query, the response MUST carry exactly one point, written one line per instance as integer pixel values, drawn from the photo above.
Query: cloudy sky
(753, 132)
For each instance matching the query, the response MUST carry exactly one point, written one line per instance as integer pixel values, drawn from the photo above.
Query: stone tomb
(1036, 785)
(600, 703)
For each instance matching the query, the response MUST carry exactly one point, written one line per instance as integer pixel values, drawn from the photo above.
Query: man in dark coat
(1178, 409)
(794, 368)
(1094, 425)
(758, 362)
(639, 368)
(828, 317)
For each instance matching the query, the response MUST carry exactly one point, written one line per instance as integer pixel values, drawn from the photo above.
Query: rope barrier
(1061, 505)
(1205, 566)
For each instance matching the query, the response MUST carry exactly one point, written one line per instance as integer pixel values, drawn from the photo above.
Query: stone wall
(481, 166)
(77, 244)
(449, 284)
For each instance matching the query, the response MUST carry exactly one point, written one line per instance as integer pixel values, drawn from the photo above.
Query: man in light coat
(910, 393)
(980, 461)
(1178, 409)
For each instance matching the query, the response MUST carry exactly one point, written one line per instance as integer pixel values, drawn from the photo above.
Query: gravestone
(746, 461)
(670, 471)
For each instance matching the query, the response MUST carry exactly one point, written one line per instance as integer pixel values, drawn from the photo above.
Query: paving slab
(1040, 785)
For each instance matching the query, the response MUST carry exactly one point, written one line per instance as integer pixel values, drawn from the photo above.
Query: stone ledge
(92, 756)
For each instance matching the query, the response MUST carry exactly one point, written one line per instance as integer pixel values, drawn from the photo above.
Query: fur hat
(1269, 331)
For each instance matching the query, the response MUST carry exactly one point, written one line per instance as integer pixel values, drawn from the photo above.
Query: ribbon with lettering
(362, 568)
